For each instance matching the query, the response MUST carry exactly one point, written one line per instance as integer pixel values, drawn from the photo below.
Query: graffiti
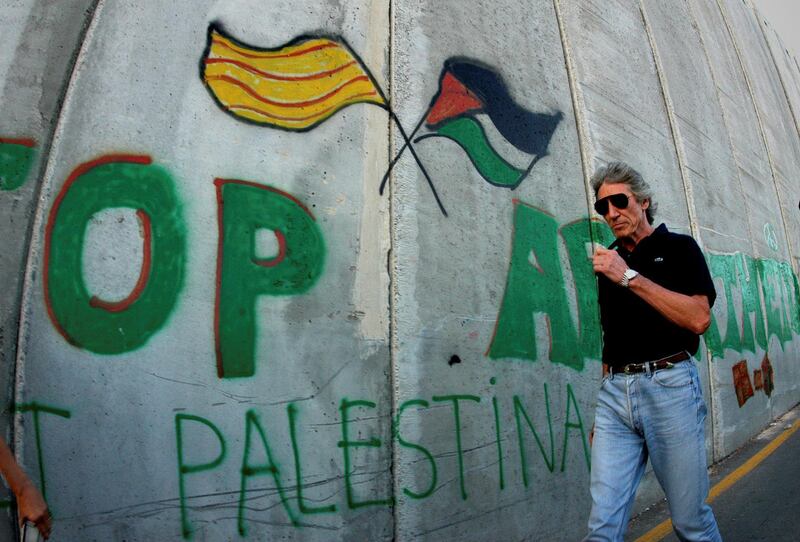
(295, 86)
(113, 327)
(741, 382)
(468, 89)
(763, 380)
(747, 279)
(269, 468)
(767, 375)
(184, 468)
(16, 159)
(346, 445)
(568, 425)
(549, 461)
(770, 237)
(82, 319)
(291, 493)
(243, 209)
(291, 414)
(535, 285)
(37, 409)
(455, 400)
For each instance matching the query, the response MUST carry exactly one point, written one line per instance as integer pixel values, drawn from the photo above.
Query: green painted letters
(345, 444)
(457, 421)
(535, 287)
(291, 413)
(248, 470)
(536, 284)
(424, 451)
(549, 461)
(36, 408)
(245, 208)
(114, 181)
(184, 469)
(779, 316)
(574, 425)
(16, 159)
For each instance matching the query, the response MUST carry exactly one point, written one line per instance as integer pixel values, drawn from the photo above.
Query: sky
(783, 16)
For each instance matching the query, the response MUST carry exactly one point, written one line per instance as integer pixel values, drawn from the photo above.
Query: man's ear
(646, 204)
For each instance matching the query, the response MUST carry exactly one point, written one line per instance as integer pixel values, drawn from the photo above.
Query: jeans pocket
(677, 377)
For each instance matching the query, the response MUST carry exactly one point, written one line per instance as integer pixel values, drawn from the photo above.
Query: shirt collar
(660, 230)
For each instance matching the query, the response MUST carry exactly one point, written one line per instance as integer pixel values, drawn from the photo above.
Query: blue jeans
(659, 415)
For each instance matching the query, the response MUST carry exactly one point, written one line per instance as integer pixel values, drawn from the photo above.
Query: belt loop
(647, 369)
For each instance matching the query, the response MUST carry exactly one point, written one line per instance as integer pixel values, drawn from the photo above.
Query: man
(655, 295)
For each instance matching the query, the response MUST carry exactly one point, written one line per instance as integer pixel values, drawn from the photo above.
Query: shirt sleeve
(697, 278)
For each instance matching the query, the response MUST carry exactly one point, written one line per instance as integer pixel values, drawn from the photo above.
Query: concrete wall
(216, 322)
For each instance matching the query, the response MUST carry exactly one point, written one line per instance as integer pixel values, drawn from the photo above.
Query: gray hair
(622, 173)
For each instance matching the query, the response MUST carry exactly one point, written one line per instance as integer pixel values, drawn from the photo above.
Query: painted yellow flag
(294, 87)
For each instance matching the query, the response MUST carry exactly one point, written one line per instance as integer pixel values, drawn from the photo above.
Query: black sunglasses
(620, 201)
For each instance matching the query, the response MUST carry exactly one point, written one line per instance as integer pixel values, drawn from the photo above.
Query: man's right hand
(31, 507)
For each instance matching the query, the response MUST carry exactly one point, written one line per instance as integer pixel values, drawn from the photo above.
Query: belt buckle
(627, 369)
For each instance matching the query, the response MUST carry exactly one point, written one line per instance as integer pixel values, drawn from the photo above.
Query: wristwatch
(627, 276)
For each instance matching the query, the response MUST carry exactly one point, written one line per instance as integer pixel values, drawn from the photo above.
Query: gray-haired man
(655, 295)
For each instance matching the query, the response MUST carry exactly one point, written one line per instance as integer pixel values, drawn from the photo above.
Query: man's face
(624, 222)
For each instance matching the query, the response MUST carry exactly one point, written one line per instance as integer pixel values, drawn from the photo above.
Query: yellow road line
(665, 527)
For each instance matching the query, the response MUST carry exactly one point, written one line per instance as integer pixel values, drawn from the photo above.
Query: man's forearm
(689, 312)
(14, 475)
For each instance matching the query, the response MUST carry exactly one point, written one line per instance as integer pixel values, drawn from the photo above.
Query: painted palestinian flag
(474, 108)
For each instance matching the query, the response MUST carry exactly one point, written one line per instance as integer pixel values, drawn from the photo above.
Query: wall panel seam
(391, 269)
(673, 125)
(577, 104)
(41, 199)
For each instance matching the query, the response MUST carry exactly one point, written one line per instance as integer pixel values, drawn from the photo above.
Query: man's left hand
(609, 263)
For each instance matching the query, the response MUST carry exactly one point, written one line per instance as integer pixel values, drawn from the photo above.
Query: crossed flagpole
(407, 145)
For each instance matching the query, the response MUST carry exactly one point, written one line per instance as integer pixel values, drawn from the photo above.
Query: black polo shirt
(633, 331)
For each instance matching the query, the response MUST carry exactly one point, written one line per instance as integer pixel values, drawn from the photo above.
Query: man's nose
(613, 212)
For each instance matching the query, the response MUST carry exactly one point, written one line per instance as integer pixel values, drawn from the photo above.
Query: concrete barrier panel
(196, 281)
(481, 330)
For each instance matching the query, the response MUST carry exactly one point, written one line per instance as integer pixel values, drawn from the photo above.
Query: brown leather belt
(651, 366)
